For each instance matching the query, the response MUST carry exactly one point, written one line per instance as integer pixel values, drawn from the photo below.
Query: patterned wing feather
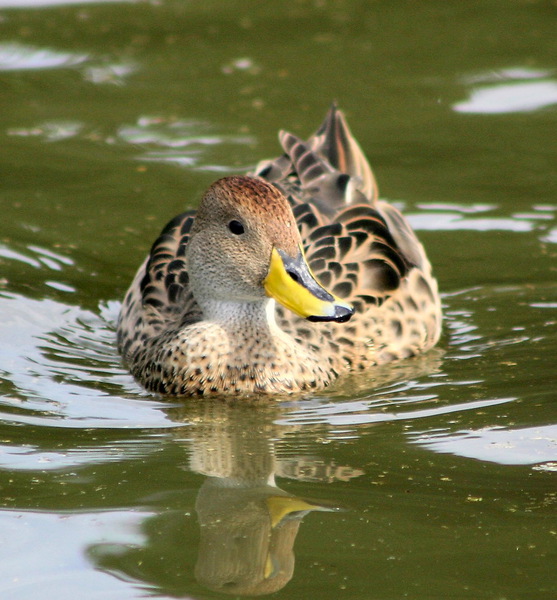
(159, 296)
(360, 248)
(356, 256)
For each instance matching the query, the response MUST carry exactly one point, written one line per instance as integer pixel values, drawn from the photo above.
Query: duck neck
(239, 317)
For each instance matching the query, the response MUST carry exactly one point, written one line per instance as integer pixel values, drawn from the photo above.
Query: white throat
(232, 314)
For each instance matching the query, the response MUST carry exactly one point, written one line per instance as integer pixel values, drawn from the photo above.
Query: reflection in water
(17, 57)
(509, 91)
(177, 141)
(248, 530)
(503, 445)
(111, 73)
(514, 97)
(248, 525)
(247, 536)
(52, 131)
(479, 217)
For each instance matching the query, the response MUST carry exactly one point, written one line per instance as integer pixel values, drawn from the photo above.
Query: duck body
(281, 281)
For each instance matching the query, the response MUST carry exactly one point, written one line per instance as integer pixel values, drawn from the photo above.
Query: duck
(283, 280)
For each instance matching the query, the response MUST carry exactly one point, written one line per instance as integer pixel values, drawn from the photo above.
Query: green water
(431, 479)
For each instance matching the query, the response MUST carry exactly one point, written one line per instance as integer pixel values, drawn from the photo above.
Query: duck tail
(334, 142)
(330, 166)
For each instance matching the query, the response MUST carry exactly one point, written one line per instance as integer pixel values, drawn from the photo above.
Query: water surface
(432, 478)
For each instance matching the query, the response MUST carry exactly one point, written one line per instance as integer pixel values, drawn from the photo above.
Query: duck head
(245, 246)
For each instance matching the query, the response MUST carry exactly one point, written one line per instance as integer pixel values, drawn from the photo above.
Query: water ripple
(506, 446)
(510, 90)
(18, 57)
(61, 369)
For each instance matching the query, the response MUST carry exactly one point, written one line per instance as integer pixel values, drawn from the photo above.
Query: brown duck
(282, 280)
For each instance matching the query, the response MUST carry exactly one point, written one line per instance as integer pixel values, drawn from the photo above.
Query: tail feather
(336, 144)
(328, 170)
(330, 189)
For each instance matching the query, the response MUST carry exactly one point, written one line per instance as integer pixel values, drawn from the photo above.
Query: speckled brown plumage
(186, 333)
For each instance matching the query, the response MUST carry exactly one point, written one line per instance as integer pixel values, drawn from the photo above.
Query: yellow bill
(291, 282)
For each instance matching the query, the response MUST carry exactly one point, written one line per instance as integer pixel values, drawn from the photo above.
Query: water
(432, 478)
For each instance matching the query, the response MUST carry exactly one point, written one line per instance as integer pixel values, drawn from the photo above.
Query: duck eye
(236, 227)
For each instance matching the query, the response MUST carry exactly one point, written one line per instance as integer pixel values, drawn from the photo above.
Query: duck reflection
(248, 529)
(248, 524)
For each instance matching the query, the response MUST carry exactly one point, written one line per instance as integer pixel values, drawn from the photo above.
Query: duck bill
(291, 282)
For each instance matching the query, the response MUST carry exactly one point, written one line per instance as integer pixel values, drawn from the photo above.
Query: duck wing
(356, 256)
(360, 248)
(160, 295)
(357, 246)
